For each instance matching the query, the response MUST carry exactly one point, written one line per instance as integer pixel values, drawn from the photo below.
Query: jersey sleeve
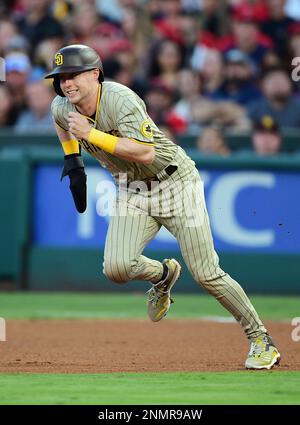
(57, 108)
(132, 119)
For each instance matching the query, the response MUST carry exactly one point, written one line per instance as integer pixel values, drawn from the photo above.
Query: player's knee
(116, 272)
(212, 281)
(114, 276)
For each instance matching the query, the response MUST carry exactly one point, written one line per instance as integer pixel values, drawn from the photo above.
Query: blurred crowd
(203, 67)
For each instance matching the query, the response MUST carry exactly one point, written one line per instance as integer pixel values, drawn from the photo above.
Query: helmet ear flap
(56, 85)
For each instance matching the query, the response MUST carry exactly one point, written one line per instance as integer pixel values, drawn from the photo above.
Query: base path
(97, 346)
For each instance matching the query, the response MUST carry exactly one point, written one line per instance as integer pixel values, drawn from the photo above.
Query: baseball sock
(164, 275)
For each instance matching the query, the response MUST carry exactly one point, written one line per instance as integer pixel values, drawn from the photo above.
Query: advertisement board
(250, 211)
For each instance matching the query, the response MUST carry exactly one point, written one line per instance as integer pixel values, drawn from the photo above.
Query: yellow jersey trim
(98, 101)
(142, 143)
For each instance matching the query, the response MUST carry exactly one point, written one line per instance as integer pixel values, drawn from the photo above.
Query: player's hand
(79, 125)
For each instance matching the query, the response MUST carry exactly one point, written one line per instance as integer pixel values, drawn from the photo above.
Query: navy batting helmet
(74, 58)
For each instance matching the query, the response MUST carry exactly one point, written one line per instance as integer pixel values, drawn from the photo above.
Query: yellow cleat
(263, 354)
(159, 299)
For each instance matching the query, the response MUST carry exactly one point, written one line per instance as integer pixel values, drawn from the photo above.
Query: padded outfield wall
(253, 205)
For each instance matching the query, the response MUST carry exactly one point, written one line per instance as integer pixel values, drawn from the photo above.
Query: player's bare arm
(69, 143)
(121, 147)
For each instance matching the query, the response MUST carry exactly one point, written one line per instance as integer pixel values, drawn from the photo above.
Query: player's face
(78, 86)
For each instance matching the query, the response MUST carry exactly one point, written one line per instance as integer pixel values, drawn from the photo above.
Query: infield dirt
(98, 346)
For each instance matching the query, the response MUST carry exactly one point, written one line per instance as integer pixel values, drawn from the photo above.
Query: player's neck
(88, 106)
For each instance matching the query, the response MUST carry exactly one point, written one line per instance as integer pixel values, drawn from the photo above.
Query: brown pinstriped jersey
(122, 113)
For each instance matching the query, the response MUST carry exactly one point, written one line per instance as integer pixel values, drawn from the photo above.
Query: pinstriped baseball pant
(139, 217)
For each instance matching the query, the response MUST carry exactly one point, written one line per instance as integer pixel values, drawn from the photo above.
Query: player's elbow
(148, 156)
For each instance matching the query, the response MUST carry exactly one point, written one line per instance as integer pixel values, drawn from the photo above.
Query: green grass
(152, 388)
(115, 306)
(263, 387)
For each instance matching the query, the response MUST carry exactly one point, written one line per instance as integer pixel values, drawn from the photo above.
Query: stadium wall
(252, 203)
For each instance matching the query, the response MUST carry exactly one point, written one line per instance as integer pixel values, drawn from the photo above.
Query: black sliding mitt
(74, 168)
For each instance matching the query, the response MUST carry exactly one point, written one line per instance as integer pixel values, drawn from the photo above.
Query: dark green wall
(81, 269)
(14, 212)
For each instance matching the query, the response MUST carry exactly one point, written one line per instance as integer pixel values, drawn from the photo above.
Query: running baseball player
(110, 122)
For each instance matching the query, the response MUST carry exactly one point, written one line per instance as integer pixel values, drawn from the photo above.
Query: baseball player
(158, 185)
